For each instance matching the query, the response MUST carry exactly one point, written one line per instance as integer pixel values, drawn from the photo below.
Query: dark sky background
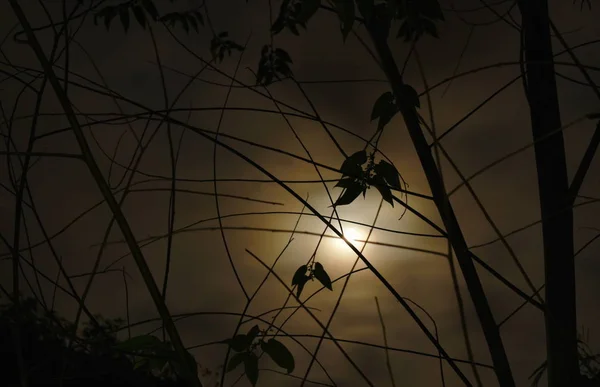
(201, 278)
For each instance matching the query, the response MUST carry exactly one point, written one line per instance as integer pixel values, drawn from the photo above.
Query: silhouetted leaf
(280, 354)
(140, 16)
(382, 104)
(378, 182)
(251, 367)
(299, 274)
(124, 16)
(431, 9)
(410, 95)
(307, 9)
(239, 343)
(384, 109)
(236, 360)
(389, 173)
(252, 333)
(283, 55)
(345, 10)
(349, 194)
(345, 183)
(108, 13)
(322, 276)
(365, 7)
(150, 8)
(300, 287)
(199, 17)
(193, 22)
(352, 165)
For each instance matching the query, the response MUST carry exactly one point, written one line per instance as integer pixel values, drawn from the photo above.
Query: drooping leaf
(352, 166)
(199, 17)
(239, 343)
(322, 276)
(150, 8)
(279, 354)
(300, 287)
(383, 189)
(299, 275)
(192, 20)
(382, 104)
(124, 16)
(349, 194)
(410, 95)
(236, 360)
(365, 7)
(345, 183)
(251, 367)
(283, 55)
(385, 109)
(140, 16)
(108, 14)
(389, 173)
(252, 333)
(307, 9)
(139, 343)
(431, 9)
(345, 11)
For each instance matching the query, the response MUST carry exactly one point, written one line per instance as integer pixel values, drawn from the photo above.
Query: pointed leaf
(199, 17)
(150, 8)
(383, 189)
(252, 333)
(389, 173)
(193, 22)
(307, 9)
(303, 282)
(322, 276)
(280, 354)
(109, 16)
(410, 95)
(124, 16)
(140, 16)
(382, 104)
(251, 367)
(236, 360)
(352, 165)
(238, 343)
(345, 10)
(299, 275)
(345, 183)
(349, 194)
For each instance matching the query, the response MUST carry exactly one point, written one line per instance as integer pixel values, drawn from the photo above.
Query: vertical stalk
(553, 183)
(88, 157)
(411, 119)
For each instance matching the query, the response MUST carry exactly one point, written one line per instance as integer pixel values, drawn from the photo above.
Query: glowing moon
(352, 235)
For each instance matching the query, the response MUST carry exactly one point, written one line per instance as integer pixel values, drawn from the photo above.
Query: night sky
(201, 278)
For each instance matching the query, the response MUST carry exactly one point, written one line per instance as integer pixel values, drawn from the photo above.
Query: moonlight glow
(352, 235)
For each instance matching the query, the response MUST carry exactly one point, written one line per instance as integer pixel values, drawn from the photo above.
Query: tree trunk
(553, 183)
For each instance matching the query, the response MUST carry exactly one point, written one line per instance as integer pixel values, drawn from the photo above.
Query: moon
(353, 235)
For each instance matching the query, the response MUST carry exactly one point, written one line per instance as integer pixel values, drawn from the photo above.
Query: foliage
(96, 358)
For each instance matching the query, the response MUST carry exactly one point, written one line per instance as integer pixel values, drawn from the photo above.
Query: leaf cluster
(144, 11)
(293, 13)
(245, 345)
(221, 44)
(359, 173)
(274, 63)
(301, 277)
